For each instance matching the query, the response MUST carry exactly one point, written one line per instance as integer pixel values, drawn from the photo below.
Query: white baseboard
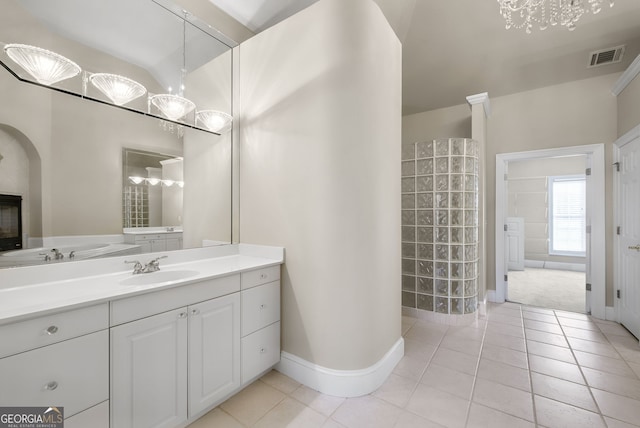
(576, 267)
(493, 297)
(341, 383)
(611, 313)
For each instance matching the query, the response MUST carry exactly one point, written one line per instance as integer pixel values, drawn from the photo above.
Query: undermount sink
(159, 277)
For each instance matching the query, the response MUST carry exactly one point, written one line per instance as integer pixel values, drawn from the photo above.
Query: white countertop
(33, 291)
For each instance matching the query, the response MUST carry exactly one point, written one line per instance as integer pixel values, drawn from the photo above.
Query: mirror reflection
(65, 156)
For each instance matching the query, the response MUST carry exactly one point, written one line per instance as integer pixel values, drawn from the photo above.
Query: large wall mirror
(65, 147)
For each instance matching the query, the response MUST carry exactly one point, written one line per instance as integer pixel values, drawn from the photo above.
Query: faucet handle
(137, 266)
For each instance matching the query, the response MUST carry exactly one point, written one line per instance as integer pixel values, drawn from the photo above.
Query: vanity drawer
(260, 352)
(73, 374)
(152, 303)
(95, 417)
(37, 332)
(260, 276)
(260, 307)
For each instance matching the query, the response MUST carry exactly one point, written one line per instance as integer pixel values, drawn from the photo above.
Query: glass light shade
(119, 89)
(136, 180)
(168, 183)
(173, 106)
(153, 181)
(215, 121)
(45, 66)
(180, 183)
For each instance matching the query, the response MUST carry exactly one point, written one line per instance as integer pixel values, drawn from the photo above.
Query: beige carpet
(548, 288)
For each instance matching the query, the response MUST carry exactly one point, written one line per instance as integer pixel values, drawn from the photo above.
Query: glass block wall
(440, 226)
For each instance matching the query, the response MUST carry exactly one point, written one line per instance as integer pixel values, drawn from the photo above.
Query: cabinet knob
(51, 330)
(51, 386)
(263, 276)
(195, 311)
(263, 350)
(182, 315)
(263, 306)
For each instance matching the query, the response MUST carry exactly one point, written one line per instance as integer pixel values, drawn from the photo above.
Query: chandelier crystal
(214, 121)
(119, 89)
(45, 66)
(527, 13)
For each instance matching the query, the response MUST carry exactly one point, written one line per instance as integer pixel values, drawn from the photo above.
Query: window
(567, 221)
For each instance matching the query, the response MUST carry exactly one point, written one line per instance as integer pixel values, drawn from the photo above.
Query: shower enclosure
(440, 230)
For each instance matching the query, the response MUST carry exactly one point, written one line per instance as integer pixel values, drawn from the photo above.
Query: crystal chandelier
(45, 66)
(119, 89)
(525, 13)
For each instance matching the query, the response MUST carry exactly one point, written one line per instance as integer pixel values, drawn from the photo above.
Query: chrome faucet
(72, 254)
(137, 266)
(57, 254)
(153, 265)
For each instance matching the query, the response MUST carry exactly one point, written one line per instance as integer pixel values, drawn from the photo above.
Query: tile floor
(520, 366)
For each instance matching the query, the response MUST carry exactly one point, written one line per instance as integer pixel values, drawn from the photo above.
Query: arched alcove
(32, 202)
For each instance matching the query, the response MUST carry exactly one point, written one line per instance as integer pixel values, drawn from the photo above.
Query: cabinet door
(158, 245)
(173, 244)
(214, 351)
(149, 371)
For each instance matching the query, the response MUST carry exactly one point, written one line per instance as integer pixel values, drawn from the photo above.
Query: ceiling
(456, 48)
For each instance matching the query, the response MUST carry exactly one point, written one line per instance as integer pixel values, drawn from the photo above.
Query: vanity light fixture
(180, 184)
(45, 66)
(153, 181)
(136, 180)
(173, 107)
(524, 13)
(168, 183)
(119, 89)
(215, 121)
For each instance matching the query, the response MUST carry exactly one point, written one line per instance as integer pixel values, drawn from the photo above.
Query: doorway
(594, 251)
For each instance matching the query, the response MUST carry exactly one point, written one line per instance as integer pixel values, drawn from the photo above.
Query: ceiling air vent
(606, 56)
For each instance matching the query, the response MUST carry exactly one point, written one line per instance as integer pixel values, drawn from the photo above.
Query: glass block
(457, 164)
(442, 218)
(408, 299)
(408, 217)
(408, 266)
(424, 167)
(425, 302)
(424, 217)
(408, 283)
(470, 200)
(408, 151)
(457, 182)
(456, 253)
(424, 183)
(442, 182)
(442, 269)
(470, 235)
(470, 183)
(470, 287)
(470, 253)
(456, 235)
(408, 184)
(424, 149)
(442, 200)
(408, 234)
(471, 165)
(456, 199)
(457, 146)
(425, 285)
(408, 201)
(470, 270)
(425, 251)
(457, 288)
(408, 168)
(425, 268)
(442, 165)
(457, 306)
(424, 200)
(471, 218)
(425, 234)
(409, 250)
(442, 252)
(471, 147)
(455, 272)
(442, 305)
(455, 217)
(442, 147)
(442, 235)
(470, 305)
(441, 287)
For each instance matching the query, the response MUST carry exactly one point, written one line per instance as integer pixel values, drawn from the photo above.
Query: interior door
(515, 243)
(629, 237)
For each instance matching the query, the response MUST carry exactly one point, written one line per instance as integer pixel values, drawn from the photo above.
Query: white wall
(320, 175)
(629, 107)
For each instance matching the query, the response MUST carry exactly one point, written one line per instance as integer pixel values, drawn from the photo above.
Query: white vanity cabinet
(153, 242)
(59, 359)
(170, 367)
(260, 321)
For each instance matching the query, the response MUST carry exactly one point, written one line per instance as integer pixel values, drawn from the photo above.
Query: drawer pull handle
(182, 315)
(51, 330)
(195, 311)
(263, 306)
(263, 350)
(51, 386)
(263, 276)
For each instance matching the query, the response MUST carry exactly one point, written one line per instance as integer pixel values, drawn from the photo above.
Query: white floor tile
(556, 368)
(550, 351)
(483, 417)
(505, 374)
(505, 355)
(618, 407)
(562, 390)
(291, 414)
(452, 381)
(605, 364)
(552, 414)
(439, 406)
(366, 412)
(504, 398)
(544, 337)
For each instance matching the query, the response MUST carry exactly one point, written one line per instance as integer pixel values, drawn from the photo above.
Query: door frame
(630, 136)
(595, 218)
